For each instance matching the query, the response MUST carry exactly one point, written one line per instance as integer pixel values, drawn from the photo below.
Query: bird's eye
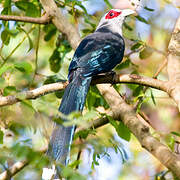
(111, 14)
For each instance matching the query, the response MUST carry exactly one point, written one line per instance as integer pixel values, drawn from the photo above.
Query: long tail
(73, 100)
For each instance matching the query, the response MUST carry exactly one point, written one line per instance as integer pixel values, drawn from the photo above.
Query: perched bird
(97, 53)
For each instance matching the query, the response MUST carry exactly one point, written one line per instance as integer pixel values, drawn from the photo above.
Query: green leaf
(136, 46)
(145, 53)
(1, 137)
(7, 3)
(176, 133)
(12, 32)
(95, 99)
(53, 79)
(138, 90)
(4, 69)
(90, 99)
(75, 164)
(87, 31)
(5, 11)
(78, 3)
(7, 33)
(121, 129)
(132, 86)
(124, 132)
(153, 99)
(170, 141)
(24, 67)
(50, 31)
(108, 4)
(64, 47)
(8, 90)
(17, 128)
(2, 82)
(29, 8)
(127, 26)
(5, 36)
(86, 20)
(58, 120)
(142, 19)
(148, 9)
(7, 7)
(27, 104)
(95, 157)
(124, 64)
(84, 134)
(30, 41)
(59, 94)
(55, 61)
(69, 173)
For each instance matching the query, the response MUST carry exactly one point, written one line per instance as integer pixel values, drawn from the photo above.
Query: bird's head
(114, 19)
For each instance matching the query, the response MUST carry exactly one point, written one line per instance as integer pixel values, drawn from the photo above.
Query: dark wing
(97, 53)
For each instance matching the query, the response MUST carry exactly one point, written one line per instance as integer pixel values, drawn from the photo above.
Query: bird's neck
(114, 28)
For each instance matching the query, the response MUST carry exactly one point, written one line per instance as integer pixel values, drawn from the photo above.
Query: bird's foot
(113, 75)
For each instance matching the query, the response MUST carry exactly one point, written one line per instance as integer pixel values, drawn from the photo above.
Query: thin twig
(79, 154)
(12, 52)
(13, 170)
(160, 68)
(36, 54)
(39, 20)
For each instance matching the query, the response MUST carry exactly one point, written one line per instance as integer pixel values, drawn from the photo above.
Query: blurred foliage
(26, 63)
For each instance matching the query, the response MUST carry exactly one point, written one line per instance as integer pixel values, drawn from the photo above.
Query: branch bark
(61, 22)
(32, 94)
(125, 112)
(41, 20)
(112, 79)
(174, 64)
(13, 170)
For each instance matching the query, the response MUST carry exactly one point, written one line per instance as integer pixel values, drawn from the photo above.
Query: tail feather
(75, 95)
(73, 100)
(59, 145)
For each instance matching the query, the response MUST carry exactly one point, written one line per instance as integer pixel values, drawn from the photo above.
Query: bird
(97, 53)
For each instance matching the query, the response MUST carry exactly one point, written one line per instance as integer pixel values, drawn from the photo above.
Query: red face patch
(112, 14)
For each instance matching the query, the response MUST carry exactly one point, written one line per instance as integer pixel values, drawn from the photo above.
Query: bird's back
(97, 53)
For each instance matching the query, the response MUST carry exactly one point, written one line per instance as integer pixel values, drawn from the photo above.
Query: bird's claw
(113, 74)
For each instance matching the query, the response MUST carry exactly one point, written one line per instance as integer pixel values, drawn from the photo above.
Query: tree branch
(132, 79)
(31, 94)
(112, 79)
(41, 20)
(125, 112)
(13, 170)
(61, 22)
(174, 64)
